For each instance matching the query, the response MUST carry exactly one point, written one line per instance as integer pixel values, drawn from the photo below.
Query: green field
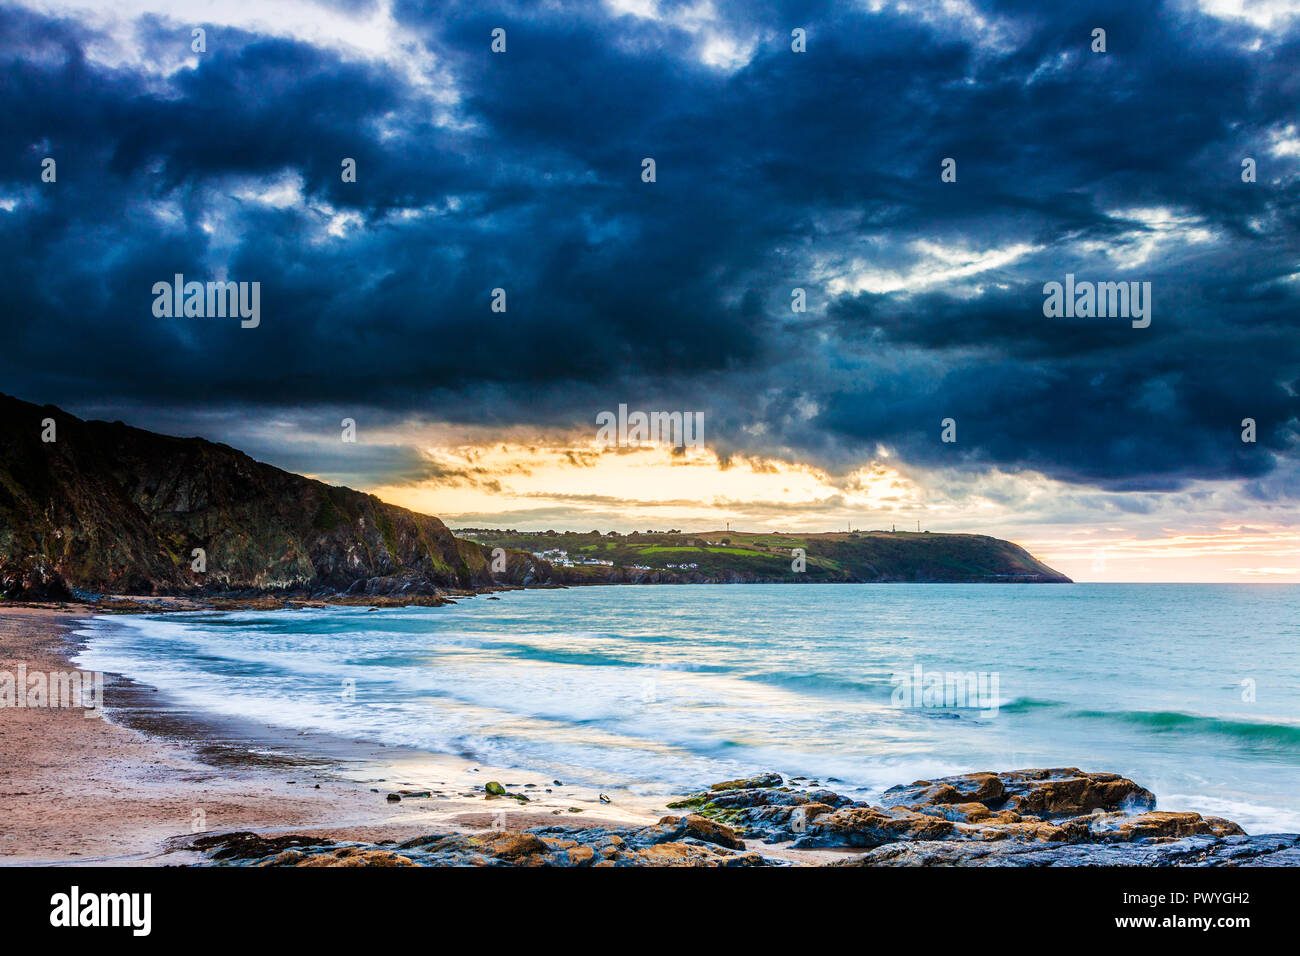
(738, 556)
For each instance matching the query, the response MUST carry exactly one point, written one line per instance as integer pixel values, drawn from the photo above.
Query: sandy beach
(137, 785)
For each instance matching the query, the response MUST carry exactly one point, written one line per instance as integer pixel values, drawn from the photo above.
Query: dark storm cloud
(522, 171)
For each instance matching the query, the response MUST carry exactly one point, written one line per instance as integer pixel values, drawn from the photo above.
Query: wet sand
(138, 784)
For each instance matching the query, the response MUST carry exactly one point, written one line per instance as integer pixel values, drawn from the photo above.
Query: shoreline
(150, 783)
(134, 785)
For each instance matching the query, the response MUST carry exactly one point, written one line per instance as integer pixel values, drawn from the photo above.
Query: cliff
(107, 507)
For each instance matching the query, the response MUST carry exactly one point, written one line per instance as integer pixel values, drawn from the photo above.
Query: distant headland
(739, 557)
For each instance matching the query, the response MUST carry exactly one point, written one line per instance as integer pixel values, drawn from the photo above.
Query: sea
(1192, 690)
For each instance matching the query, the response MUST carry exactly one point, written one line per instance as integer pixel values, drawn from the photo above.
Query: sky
(1111, 446)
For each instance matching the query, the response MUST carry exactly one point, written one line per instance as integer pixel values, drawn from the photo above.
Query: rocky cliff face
(107, 507)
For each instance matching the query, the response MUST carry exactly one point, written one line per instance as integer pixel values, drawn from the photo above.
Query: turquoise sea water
(663, 689)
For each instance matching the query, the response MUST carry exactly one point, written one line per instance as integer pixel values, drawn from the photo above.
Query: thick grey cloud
(818, 170)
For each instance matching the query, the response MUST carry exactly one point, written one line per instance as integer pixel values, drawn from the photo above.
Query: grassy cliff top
(771, 556)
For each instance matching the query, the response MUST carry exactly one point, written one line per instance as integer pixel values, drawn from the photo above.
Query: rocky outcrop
(750, 783)
(674, 841)
(1067, 791)
(1275, 850)
(1062, 816)
(109, 508)
(1059, 817)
